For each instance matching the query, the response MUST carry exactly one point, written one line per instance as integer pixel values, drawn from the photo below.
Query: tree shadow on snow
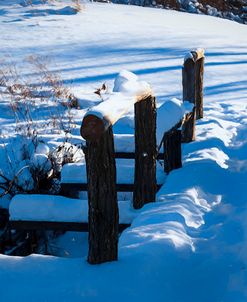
(67, 10)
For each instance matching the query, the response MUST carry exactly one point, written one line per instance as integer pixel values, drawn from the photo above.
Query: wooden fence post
(172, 150)
(145, 152)
(188, 133)
(96, 129)
(192, 75)
(193, 72)
(102, 195)
(188, 76)
(199, 73)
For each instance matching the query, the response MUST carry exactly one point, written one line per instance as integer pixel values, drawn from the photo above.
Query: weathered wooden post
(101, 168)
(192, 74)
(193, 71)
(102, 194)
(189, 127)
(199, 74)
(172, 150)
(145, 152)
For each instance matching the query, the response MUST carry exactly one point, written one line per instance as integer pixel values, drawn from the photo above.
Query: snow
(41, 162)
(190, 245)
(42, 148)
(59, 209)
(113, 107)
(124, 142)
(47, 208)
(24, 161)
(127, 82)
(76, 172)
(127, 91)
(195, 54)
(168, 115)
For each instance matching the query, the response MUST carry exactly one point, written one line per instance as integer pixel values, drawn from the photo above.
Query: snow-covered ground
(191, 244)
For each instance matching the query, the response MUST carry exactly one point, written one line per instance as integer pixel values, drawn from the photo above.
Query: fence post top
(195, 55)
(93, 127)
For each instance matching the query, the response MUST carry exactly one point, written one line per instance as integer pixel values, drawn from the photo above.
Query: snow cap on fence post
(195, 55)
(126, 92)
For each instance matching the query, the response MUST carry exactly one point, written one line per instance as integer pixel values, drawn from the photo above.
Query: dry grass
(26, 101)
(78, 6)
(43, 89)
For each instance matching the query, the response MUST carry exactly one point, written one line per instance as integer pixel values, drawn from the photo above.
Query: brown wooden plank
(172, 151)
(131, 155)
(188, 81)
(55, 226)
(199, 74)
(125, 155)
(67, 187)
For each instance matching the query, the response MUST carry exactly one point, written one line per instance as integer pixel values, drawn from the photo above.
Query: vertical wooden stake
(102, 198)
(193, 72)
(188, 77)
(145, 152)
(172, 150)
(199, 73)
(188, 127)
(189, 95)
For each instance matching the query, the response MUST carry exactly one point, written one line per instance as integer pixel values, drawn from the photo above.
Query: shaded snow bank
(169, 114)
(76, 172)
(59, 209)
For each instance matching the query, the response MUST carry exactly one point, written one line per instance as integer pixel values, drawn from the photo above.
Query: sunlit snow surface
(191, 244)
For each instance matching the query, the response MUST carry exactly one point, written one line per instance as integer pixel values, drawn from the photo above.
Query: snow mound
(128, 89)
(41, 163)
(47, 208)
(129, 83)
(42, 148)
(59, 209)
(169, 114)
(76, 172)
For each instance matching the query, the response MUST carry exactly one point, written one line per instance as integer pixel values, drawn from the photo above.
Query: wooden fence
(96, 129)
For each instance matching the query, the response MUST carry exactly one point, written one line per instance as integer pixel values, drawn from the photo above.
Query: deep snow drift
(191, 244)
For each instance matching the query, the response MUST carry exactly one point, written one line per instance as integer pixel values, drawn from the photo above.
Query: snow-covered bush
(41, 106)
(63, 154)
(31, 166)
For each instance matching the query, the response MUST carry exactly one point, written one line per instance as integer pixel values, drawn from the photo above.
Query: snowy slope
(191, 245)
